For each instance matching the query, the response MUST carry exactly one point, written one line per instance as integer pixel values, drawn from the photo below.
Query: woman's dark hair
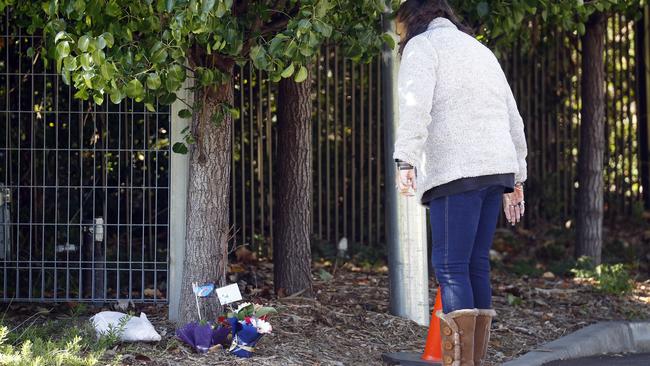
(417, 14)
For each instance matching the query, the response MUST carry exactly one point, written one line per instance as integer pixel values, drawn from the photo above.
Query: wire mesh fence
(85, 188)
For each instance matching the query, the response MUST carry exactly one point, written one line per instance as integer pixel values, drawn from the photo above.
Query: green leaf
(321, 8)
(98, 98)
(156, 46)
(276, 44)
(290, 51)
(159, 56)
(288, 71)
(323, 28)
(59, 36)
(65, 75)
(116, 96)
(207, 5)
(134, 89)
(85, 60)
(180, 148)
(234, 112)
(81, 94)
(301, 75)
(107, 70)
(169, 5)
(172, 84)
(265, 311)
(153, 81)
(206, 77)
(83, 42)
(257, 54)
(380, 5)
(101, 43)
(184, 113)
(221, 10)
(176, 72)
(70, 63)
(304, 25)
(108, 38)
(87, 77)
(99, 57)
(306, 50)
(112, 9)
(63, 49)
(167, 99)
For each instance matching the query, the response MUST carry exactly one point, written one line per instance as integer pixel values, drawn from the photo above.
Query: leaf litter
(347, 322)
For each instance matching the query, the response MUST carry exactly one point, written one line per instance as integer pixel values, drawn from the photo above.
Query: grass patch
(610, 278)
(55, 342)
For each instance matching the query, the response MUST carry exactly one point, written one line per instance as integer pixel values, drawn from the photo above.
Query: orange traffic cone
(433, 347)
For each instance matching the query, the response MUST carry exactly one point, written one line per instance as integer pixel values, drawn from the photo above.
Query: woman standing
(461, 151)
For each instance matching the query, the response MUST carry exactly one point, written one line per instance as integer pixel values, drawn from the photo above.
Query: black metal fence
(546, 82)
(348, 140)
(347, 151)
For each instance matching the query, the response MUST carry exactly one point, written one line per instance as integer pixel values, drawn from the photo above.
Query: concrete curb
(596, 339)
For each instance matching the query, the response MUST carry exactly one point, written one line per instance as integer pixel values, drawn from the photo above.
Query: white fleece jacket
(457, 115)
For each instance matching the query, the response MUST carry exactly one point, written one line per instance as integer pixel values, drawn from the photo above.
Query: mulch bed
(347, 323)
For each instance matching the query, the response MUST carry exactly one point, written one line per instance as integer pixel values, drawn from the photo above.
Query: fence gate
(84, 190)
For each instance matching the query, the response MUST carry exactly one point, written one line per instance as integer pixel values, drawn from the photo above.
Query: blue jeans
(462, 228)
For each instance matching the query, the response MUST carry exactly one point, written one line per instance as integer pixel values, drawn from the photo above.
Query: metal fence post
(178, 176)
(406, 220)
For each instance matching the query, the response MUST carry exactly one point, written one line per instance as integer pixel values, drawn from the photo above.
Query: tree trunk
(293, 200)
(206, 243)
(589, 222)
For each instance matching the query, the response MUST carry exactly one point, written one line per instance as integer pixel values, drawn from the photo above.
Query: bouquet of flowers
(202, 335)
(248, 324)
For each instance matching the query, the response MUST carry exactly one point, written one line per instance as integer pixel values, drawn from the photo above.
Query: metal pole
(406, 219)
(178, 176)
(642, 34)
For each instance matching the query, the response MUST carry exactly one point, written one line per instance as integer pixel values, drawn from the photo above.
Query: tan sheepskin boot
(457, 334)
(482, 335)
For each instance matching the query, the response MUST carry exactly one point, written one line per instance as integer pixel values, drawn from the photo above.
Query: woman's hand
(513, 204)
(405, 181)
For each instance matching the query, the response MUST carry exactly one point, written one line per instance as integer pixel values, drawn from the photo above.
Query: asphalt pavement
(627, 359)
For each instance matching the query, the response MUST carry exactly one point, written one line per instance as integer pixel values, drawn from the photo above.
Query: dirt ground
(347, 323)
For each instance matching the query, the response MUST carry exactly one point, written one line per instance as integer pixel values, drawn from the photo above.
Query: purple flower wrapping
(202, 336)
(244, 338)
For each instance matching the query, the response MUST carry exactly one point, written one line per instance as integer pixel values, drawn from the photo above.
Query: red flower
(248, 320)
(221, 319)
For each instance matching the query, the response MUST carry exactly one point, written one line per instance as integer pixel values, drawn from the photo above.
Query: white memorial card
(228, 294)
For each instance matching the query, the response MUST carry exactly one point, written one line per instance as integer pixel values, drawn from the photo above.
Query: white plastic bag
(135, 330)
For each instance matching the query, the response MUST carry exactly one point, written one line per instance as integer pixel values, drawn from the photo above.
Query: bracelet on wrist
(402, 165)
